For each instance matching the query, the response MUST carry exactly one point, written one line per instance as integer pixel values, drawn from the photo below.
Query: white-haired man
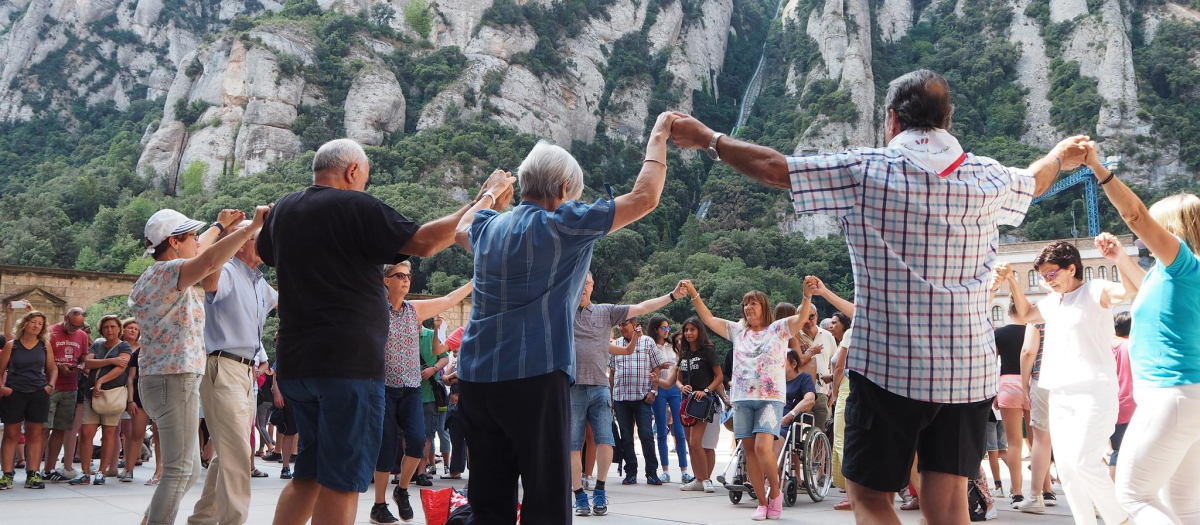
(517, 359)
(329, 244)
(236, 302)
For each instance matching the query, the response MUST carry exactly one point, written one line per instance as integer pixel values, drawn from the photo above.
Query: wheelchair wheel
(818, 460)
(735, 497)
(790, 492)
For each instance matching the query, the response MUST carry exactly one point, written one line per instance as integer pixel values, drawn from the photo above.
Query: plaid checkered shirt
(631, 382)
(922, 247)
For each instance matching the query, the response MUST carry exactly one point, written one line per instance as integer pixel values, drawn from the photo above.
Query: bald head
(342, 164)
(74, 319)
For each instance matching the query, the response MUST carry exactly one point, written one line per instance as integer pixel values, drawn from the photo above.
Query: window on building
(997, 314)
(1102, 272)
(1116, 276)
(1033, 279)
(1087, 274)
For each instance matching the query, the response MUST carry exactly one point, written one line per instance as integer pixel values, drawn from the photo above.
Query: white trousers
(1158, 475)
(1080, 424)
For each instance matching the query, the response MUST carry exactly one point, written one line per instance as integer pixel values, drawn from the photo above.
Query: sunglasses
(403, 276)
(1050, 276)
(664, 329)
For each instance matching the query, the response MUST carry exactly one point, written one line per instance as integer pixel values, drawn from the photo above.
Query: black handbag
(700, 408)
(440, 395)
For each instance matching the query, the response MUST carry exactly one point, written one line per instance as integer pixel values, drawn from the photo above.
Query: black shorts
(25, 407)
(884, 430)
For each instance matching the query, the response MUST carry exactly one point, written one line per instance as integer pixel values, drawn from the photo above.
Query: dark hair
(702, 339)
(1012, 309)
(784, 310)
(1061, 254)
(1122, 323)
(793, 359)
(843, 318)
(921, 100)
(652, 326)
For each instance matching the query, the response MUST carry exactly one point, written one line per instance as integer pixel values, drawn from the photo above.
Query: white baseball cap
(165, 224)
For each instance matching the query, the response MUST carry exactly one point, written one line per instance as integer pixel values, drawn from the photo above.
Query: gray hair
(546, 169)
(338, 154)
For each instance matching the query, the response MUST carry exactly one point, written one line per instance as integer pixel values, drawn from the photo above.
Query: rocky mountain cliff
(245, 83)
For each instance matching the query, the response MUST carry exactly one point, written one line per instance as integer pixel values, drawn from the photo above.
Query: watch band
(220, 227)
(712, 146)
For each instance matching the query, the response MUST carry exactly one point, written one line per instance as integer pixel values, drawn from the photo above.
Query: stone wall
(54, 291)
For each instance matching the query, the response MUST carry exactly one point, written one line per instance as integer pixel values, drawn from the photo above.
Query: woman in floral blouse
(171, 363)
(760, 346)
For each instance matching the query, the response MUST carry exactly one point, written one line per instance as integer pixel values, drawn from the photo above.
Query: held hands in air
(500, 183)
(1110, 246)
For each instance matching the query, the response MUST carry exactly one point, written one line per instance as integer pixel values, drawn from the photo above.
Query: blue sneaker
(686, 478)
(652, 479)
(599, 502)
(582, 506)
(629, 480)
(666, 477)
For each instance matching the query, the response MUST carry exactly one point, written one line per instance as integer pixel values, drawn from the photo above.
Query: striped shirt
(631, 373)
(530, 266)
(922, 247)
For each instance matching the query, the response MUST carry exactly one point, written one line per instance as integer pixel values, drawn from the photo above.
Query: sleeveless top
(1078, 347)
(27, 367)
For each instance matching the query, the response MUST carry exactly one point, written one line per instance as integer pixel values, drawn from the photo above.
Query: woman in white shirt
(1079, 371)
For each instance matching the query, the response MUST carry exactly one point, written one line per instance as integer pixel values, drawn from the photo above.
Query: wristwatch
(220, 227)
(712, 146)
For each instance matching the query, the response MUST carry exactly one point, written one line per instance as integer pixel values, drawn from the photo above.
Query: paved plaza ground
(123, 503)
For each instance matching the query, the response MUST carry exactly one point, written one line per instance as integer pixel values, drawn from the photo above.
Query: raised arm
(629, 348)
(651, 305)
(816, 286)
(197, 268)
(716, 324)
(429, 308)
(227, 218)
(796, 322)
(1116, 293)
(1026, 312)
(648, 187)
(765, 165)
(1162, 243)
(1066, 155)
(496, 194)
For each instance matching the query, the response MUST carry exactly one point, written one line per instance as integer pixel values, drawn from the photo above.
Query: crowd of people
(919, 389)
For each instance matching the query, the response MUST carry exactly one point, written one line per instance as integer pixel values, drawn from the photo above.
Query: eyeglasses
(1050, 276)
(812, 316)
(403, 276)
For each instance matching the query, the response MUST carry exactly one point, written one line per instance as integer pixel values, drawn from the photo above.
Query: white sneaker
(998, 492)
(692, 486)
(666, 477)
(708, 486)
(1033, 505)
(69, 474)
(992, 514)
(589, 483)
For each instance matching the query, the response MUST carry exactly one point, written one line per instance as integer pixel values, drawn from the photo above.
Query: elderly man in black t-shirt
(329, 243)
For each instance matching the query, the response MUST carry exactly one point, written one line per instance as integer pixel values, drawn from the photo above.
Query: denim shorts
(591, 404)
(756, 417)
(997, 439)
(340, 422)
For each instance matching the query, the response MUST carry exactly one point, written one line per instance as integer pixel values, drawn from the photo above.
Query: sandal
(258, 474)
(152, 481)
(19, 465)
(204, 463)
(913, 504)
(844, 505)
(452, 476)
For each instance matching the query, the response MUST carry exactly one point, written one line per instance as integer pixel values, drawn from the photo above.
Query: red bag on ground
(436, 504)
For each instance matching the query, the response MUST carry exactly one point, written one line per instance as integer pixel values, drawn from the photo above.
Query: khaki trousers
(227, 395)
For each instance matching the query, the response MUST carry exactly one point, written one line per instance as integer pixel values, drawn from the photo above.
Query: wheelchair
(804, 463)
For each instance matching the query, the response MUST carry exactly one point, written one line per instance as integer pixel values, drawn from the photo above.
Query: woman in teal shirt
(1162, 446)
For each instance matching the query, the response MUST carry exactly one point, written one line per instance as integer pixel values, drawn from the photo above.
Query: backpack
(976, 504)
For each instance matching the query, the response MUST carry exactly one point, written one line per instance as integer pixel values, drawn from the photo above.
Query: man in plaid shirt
(633, 399)
(921, 218)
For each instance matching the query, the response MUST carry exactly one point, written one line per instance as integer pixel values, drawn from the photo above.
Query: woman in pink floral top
(759, 386)
(171, 315)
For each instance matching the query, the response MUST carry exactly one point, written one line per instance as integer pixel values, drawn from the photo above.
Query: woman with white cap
(171, 314)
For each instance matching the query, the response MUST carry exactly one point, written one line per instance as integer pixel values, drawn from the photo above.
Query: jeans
(228, 392)
(260, 421)
(629, 412)
(1161, 457)
(1081, 422)
(173, 403)
(458, 442)
(435, 426)
(669, 398)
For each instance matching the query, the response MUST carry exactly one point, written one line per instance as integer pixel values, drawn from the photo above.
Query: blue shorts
(756, 417)
(340, 422)
(591, 404)
(401, 418)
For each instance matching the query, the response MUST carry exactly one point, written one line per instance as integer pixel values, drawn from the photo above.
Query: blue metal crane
(1086, 177)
